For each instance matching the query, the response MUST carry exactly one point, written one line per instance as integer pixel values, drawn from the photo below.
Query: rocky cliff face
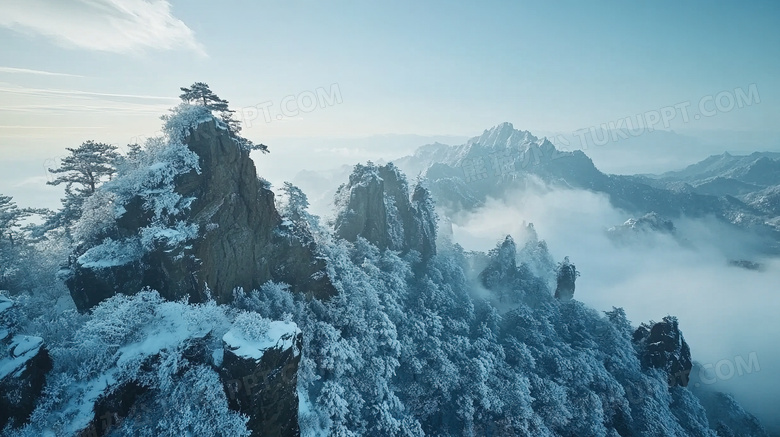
(261, 379)
(240, 241)
(662, 346)
(375, 204)
(422, 229)
(24, 362)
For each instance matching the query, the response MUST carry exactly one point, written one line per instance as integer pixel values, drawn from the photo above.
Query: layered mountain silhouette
(739, 190)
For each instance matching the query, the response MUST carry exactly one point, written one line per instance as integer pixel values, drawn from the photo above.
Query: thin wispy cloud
(119, 26)
(26, 100)
(98, 108)
(13, 70)
(78, 93)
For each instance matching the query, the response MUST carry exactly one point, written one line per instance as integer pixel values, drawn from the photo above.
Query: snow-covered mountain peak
(504, 136)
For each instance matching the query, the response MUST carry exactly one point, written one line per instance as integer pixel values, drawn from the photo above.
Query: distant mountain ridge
(502, 158)
(747, 168)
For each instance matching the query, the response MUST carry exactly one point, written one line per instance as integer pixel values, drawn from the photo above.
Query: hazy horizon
(300, 76)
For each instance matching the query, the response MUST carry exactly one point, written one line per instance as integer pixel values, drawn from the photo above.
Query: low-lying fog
(728, 314)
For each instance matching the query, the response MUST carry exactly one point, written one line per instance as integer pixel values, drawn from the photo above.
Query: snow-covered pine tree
(10, 218)
(83, 171)
(200, 93)
(87, 166)
(296, 205)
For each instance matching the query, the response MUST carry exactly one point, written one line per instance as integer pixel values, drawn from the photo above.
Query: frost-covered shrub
(182, 118)
(9, 315)
(195, 404)
(112, 252)
(141, 339)
(272, 300)
(150, 175)
(168, 236)
(251, 326)
(117, 321)
(98, 216)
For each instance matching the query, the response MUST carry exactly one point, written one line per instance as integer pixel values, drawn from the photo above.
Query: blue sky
(106, 69)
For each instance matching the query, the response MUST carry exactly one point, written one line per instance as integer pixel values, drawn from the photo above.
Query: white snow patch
(110, 253)
(280, 335)
(23, 349)
(166, 334)
(217, 356)
(83, 405)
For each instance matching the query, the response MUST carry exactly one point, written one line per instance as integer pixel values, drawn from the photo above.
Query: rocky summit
(241, 240)
(375, 204)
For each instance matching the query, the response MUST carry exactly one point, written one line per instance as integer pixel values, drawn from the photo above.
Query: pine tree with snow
(296, 205)
(87, 166)
(10, 216)
(234, 128)
(14, 242)
(83, 171)
(134, 151)
(199, 93)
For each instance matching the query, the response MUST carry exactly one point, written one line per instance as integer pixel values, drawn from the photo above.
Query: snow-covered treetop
(200, 95)
(149, 174)
(183, 118)
(200, 92)
(10, 214)
(362, 174)
(251, 335)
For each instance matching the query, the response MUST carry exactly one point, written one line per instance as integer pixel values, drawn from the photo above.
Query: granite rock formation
(261, 379)
(375, 204)
(662, 346)
(241, 239)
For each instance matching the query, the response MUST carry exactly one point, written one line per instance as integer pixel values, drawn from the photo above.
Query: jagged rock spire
(375, 205)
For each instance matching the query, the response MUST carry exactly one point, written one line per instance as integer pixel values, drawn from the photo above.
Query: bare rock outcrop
(566, 277)
(662, 346)
(375, 204)
(260, 379)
